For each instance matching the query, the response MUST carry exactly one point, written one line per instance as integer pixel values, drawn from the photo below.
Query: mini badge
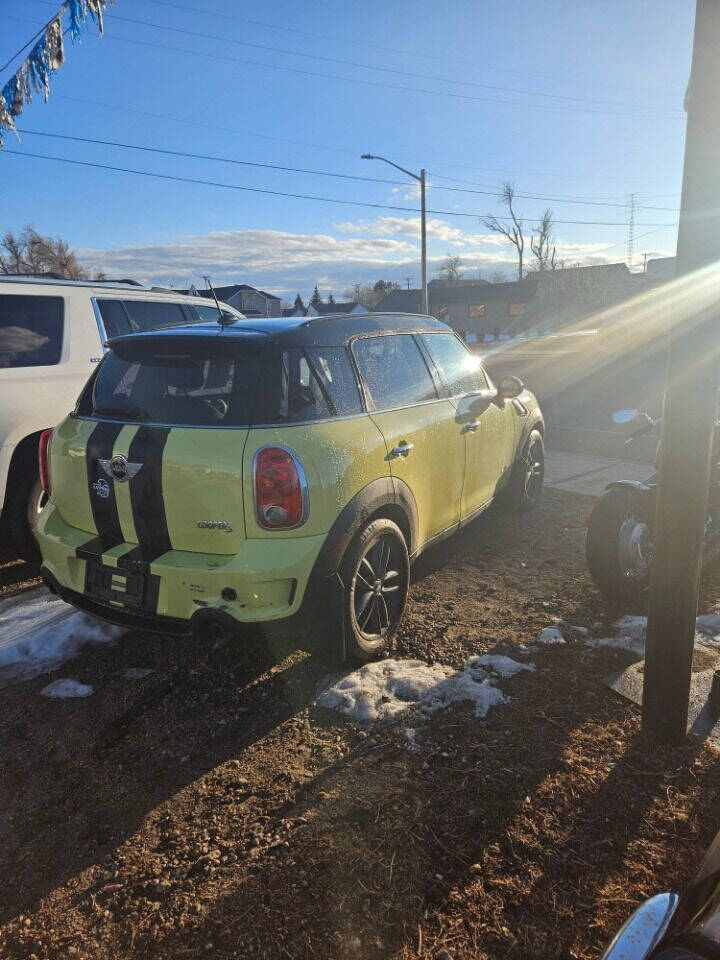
(102, 488)
(119, 468)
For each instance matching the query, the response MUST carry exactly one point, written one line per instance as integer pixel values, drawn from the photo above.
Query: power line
(579, 200)
(392, 70)
(357, 80)
(418, 54)
(297, 196)
(304, 170)
(622, 243)
(204, 156)
(26, 45)
(315, 145)
(678, 115)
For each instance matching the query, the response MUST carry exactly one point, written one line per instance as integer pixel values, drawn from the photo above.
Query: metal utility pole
(689, 407)
(421, 177)
(631, 231)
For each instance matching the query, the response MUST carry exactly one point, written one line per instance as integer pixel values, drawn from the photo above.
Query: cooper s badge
(215, 525)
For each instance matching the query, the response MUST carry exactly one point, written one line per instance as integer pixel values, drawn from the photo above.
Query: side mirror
(625, 416)
(510, 387)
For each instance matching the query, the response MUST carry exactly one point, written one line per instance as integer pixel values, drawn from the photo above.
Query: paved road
(584, 473)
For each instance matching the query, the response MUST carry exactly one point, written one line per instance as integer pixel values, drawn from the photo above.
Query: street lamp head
(367, 156)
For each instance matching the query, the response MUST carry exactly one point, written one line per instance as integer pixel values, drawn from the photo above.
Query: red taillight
(43, 448)
(280, 491)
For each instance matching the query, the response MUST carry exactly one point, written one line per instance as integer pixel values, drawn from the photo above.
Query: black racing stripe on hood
(146, 493)
(104, 509)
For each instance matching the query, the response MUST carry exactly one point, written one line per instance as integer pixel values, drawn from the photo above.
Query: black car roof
(330, 330)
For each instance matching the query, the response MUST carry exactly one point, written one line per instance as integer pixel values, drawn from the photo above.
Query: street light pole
(689, 407)
(423, 243)
(421, 179)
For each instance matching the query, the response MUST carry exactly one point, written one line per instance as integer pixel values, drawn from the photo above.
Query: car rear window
(304, 384)
(179, 383)
(31, 330)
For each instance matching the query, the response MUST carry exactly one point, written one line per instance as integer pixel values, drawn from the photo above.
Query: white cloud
(356, 251)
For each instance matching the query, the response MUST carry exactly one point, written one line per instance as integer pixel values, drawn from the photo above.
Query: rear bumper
(266, 582)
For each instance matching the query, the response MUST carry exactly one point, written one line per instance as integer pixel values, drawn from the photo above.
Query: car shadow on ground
(532, 832)
(502, 835)
(100, 765)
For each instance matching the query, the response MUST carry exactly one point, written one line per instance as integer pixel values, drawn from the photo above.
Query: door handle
(401, 450)
(473, 425)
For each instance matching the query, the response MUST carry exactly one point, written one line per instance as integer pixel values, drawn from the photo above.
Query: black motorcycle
(619, 544)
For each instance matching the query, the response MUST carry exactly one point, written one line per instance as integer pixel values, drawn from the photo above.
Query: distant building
(660, 270)
(399, 301)
(325, 309)
(544, 301)
(248, 300)
(475, 308)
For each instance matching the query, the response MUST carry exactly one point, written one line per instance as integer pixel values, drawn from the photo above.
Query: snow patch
(39, 633)
(503, 666)
(389, 688)
(631, 632)
(66, 689)
(633, 645)
(551, 637)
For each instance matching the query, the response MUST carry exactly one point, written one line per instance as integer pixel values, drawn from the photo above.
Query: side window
(394, 370)
(311, 383)
(208, 312)
(459, 369)
(121, 317)
(114, 318)
(154, 315)
(31, 330)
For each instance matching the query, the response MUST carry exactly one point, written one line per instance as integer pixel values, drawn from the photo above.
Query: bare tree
(498, 276)
(31, 252)
(541, 240)
(363, 293)
(450, 268)
(513, 230)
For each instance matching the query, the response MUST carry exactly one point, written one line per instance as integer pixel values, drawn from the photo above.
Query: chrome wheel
(635, 549)
(378, 595)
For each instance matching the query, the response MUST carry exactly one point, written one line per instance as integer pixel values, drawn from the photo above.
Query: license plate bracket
(114, 585)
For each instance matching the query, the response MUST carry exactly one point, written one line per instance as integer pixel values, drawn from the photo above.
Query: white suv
(51, 334)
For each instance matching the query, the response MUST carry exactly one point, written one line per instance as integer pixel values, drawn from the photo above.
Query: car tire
(620, 564)
(24, 505)
(375, 571)
(525, 488)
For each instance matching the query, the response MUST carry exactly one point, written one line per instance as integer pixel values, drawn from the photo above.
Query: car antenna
(221, 321)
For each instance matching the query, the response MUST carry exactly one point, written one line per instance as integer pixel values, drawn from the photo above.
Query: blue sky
(569, 101)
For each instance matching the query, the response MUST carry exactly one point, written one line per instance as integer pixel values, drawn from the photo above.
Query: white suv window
(31, 330)
(136, 316)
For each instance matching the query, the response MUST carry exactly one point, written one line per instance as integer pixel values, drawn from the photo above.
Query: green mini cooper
(280, 472)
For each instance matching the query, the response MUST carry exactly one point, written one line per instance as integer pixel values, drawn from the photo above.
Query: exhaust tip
(213, 626)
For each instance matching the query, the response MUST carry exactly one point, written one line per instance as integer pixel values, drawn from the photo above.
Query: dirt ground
(208, 810)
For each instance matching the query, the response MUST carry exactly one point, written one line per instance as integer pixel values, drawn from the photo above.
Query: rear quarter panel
(339, 457)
